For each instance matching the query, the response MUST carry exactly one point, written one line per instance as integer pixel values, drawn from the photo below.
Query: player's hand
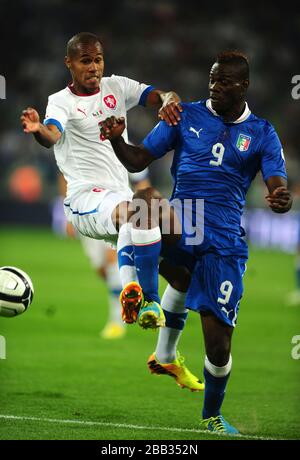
(280, 200)
(170, 112)
(30, 120)
(112, 127)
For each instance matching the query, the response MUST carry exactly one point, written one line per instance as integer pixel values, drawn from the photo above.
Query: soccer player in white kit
(98, 193)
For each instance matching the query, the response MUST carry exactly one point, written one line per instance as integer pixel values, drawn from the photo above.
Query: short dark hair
(237, 59)
(85, 38)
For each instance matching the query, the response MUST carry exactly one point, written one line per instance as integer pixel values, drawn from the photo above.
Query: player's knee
(218, 353)
(181, 283)
(178, 277)
(120, 215)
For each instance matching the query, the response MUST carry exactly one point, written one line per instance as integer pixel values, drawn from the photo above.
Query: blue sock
(175, 320)
(125, 250)
(214, 393)
(147, 247)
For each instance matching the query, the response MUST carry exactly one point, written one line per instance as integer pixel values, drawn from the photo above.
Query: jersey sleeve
(135, 93)
(161, 139)
(57, 113)
(272, 161)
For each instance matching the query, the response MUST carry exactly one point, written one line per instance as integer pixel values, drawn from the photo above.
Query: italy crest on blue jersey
(243, 142)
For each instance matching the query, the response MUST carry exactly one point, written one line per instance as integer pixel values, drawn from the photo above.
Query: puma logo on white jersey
(82, 111)
(124, 253)
(193, 130)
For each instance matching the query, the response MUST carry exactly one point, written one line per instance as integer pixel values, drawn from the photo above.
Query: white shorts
(89, 211)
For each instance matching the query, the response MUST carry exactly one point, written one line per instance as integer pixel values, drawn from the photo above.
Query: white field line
(126, 426)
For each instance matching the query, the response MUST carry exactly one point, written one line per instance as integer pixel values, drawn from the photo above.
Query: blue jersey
(217, 161)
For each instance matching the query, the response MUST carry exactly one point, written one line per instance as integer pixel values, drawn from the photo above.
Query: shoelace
(217, 422)
(180, 358)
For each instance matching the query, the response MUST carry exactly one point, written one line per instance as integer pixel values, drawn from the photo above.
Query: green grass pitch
(61, 381)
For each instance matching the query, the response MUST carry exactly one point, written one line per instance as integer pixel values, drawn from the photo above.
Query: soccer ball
(16, 291)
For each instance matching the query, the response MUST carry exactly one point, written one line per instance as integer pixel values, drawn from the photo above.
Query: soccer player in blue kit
(219, 147)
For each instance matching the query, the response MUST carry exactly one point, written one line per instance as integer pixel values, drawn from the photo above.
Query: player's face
(86, 67)
(226, 90)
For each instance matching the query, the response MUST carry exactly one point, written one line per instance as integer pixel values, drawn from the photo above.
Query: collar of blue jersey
(243, 117)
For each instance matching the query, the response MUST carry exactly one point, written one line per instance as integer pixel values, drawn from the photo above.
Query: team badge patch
(110, 101)
(243, 142)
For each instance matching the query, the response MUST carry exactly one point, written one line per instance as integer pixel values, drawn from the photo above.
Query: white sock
(114, 285)
(113, 277)
(127, 268)
(218, 371)
(115, 310)
(172, 301)
(145, 237)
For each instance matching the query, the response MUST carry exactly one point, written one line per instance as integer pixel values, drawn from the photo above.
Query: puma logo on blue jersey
(193, 130)
(226, 311)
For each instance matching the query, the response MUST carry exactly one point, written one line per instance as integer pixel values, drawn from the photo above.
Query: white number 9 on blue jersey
(218, 152)
(226, 289)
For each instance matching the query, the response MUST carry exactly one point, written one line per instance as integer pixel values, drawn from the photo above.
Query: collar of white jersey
(243, 117)
(71, 89)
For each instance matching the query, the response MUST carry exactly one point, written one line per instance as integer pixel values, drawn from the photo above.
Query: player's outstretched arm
(134, 158)
(46, 135)
(279, 198)
(170, 109)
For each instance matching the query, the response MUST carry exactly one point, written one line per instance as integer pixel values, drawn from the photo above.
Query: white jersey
(85, 159)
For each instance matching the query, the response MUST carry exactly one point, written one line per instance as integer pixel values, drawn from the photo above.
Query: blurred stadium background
(169, 44)
(172, 45)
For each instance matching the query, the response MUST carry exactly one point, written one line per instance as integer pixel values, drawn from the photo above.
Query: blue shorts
(217, 263)
(217, 286)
